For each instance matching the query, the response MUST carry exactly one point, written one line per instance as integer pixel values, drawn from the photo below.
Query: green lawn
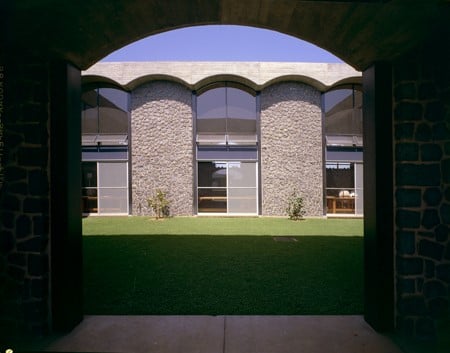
(212, 266)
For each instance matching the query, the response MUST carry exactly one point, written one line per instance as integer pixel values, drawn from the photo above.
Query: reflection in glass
(241, 174)
(242, 200)
(113, 200)
(212, 200)
(212, 174)
(112, 174)
(104, 112)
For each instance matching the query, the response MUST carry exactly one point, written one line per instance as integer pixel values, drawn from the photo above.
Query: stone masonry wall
(422, 193)
(291, 148)
(24, 199)
(161, 135)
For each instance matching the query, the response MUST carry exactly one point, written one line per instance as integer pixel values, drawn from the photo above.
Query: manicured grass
(220, 226)
(213, 266)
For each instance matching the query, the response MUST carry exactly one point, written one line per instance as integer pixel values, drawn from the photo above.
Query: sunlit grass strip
(221, 226)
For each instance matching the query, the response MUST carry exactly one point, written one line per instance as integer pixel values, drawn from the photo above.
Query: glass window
(227, 187)
(226, 115)
(212, 174)
(105, 187)
(104, 119)
(343, 116)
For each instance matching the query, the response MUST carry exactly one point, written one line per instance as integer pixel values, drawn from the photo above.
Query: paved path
(223, 334)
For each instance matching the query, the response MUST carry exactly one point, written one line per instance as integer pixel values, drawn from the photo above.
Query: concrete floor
(222, 334)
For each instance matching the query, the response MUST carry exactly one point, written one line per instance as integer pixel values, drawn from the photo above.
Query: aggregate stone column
(422, 164)
(291, 148)
(24, 197)
(162, 149)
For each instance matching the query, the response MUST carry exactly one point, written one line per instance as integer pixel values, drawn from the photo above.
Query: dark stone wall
(24, 199)
(422, 192)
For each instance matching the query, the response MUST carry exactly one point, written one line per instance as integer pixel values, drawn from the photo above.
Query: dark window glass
(212, 174)
(89, 174)
(104, 118)
(113, 111)
(343, 115)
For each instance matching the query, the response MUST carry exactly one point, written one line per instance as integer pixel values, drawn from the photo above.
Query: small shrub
(295, 207)
(160, 204)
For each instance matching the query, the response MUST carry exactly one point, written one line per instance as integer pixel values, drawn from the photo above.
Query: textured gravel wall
(161, 132)
(291, 153)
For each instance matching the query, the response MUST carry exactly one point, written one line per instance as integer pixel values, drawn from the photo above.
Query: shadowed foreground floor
(222, 334)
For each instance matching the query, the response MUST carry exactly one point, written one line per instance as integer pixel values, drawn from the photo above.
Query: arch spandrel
(358, 32)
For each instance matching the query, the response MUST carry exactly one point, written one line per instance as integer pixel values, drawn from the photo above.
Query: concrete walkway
(223, 334)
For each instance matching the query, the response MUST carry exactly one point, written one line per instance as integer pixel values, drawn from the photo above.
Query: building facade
(222, 138)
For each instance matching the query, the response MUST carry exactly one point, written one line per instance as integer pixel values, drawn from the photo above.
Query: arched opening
(227, 137)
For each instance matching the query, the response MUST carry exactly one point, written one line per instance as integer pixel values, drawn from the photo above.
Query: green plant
(160, 204)
(295, 208)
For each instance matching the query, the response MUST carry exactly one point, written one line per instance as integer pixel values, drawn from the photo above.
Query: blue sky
(222, 43)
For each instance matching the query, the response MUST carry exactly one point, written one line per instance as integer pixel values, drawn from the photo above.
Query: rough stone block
(447, 252)
(408, 197)
(16, 273)
(431, 249)
(432, 196)
(409, 266)
(405, 325)
(406, 286)
(406, 111)
(20, 188)
(429, 269)
(37, 265)
(405, 91)
(439, 308)
(407, 152)
(425, 329)
(440, 132)
(412, 305)
(35, 205)
(17, 259)
(430, 218)
(10, 203)
(40, 225)
(8, 219)
(408, 219)
(447, 193)
(423, 132)
(406, 242)
(39, 288)
(23, 226)
(404, 131)
(441, 233)
(37, 183)
(427, 91)
(33, 156)
(6, 241)
(418, 174)
(447, 148)
(434, 289)
(15, 173)
(446, 170)
(35, 244)
(445, 213)
(443, 272)
(430, 152)
(434, 111)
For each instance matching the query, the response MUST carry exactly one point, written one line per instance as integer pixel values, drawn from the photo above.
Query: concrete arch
(358, 32)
